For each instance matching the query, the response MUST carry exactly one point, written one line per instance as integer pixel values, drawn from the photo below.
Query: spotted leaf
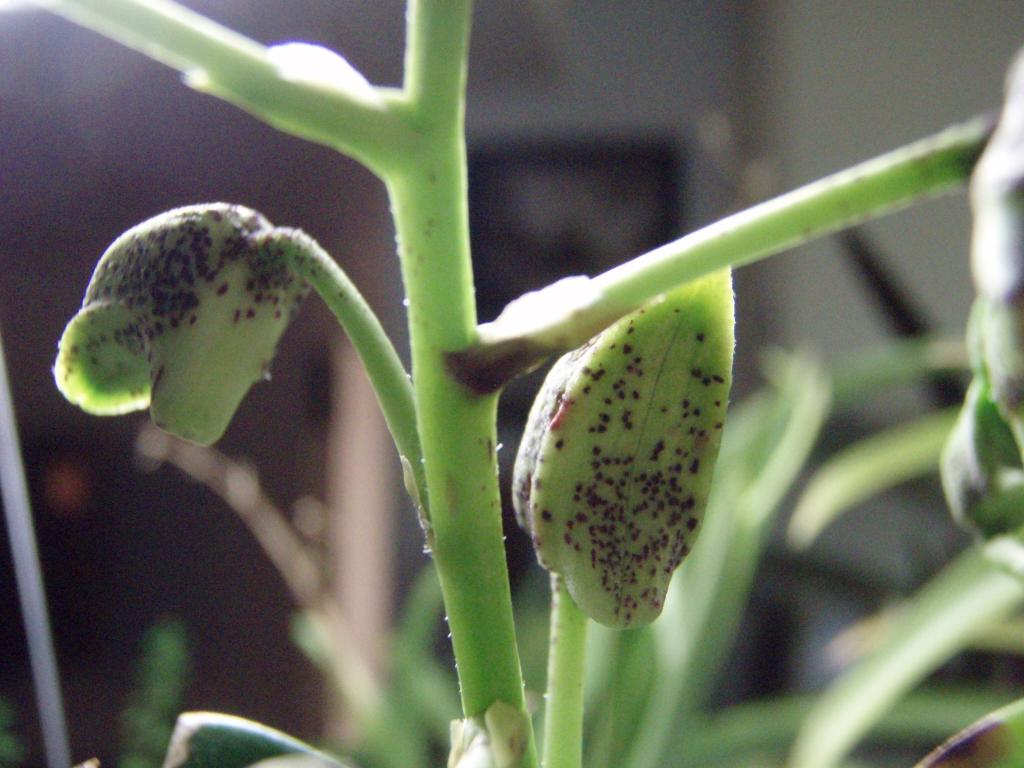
(614, 469)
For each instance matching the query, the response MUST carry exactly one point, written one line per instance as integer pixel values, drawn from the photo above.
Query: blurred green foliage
(161, 678)
(11, 750)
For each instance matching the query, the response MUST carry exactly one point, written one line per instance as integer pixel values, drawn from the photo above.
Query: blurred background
(596, 131)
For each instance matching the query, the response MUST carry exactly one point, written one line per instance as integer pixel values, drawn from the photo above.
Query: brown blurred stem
(896, 304)
(239, 487)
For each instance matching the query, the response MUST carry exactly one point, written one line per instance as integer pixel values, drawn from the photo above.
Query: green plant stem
(563, 715)
(383, 367)
(926, 167)
(615, 725)
(224, 63)
(433, 86)
(513, 344)
(458, 436)
(457, 429)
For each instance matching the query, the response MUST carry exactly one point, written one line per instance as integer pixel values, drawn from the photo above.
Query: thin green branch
(434, 88)
(563, 715)
(322, 100)
(616, 725)
(383, 367)
(566, 314)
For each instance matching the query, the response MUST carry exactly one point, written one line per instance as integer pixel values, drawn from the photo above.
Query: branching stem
(457, 428)
(354, 120)
(517, 341)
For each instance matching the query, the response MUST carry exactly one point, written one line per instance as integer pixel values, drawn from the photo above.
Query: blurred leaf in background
(11, 750)
(158, 695)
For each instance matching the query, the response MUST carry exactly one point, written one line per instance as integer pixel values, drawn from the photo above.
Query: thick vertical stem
(458, 437)
(457, 429)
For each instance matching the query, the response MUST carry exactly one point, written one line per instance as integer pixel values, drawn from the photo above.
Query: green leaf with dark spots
(614, 469)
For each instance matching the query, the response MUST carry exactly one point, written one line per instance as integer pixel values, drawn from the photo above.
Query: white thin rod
(29, 577)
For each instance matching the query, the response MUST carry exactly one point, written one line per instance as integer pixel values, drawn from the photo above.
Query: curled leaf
(182, 315)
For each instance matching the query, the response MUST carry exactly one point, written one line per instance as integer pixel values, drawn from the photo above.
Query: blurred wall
(848, 81)
(843, 82)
